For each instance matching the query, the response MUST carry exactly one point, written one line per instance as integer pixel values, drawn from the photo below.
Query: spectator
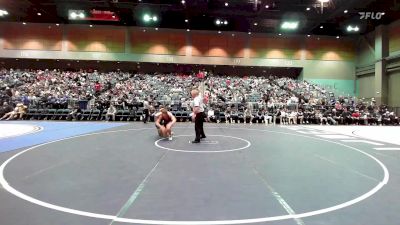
(292, 117)
(6, 108)
(283, 117)
(211, 115)
(11, 115)
(300, 116)
(248, 116)
(55, 89)
(355, 116)
(74, 114)
(111, 111)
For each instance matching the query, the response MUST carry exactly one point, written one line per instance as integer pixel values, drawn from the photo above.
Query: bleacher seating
(53, 95)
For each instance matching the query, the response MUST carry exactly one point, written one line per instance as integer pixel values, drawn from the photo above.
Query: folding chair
(95, 114)
(85, 114)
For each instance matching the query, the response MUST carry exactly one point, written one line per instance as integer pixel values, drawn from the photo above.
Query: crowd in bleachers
(92, 95)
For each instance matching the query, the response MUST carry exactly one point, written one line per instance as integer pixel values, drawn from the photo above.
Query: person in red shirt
(355, 116)
(201, 75)
(97, 87)
(338, 106)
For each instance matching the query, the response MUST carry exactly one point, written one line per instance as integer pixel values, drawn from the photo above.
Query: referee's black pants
(198, 125)
(146, 114)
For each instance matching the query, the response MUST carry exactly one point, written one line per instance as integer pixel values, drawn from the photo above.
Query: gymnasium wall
(365, 65)
(393, 68)
(366, 50)
(341, 87)
(322, 58)
(102, 39)
(394, 89)
(35, 37)
(394, 38)
(158, 43)
(366, 86)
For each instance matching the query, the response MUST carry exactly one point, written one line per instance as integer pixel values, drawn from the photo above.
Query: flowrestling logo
(371, 15)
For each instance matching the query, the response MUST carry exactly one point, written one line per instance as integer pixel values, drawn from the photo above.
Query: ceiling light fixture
(226, 4)
(3, 12)
(220, 22)
(219, 32)
(39, 14)
(255, 24)
(149, 18)
(267, 6)
(290, 25)
(188, 30)
(352, 29)
(146, 18)
(183, 2)
(337, 37)
(186, 21)
(73, 15)
(308, 9)
(346, 11)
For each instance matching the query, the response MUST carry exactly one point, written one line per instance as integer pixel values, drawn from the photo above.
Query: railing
(396, 110)
(178, 105)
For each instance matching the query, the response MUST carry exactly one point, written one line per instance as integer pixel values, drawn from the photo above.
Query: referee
(198, 115)
(146, 109)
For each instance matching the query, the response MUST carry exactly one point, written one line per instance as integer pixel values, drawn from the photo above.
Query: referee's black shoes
(195, 141)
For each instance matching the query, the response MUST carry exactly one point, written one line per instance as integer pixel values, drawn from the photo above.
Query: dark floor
(239, 174)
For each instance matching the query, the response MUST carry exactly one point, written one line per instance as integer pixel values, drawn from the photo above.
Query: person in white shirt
(292, 117)
(228, 113)
(268, 117)
(210, 115)
(248, 116)
(198, 115)
(146, 109)
(283, 117)
(111, 111)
